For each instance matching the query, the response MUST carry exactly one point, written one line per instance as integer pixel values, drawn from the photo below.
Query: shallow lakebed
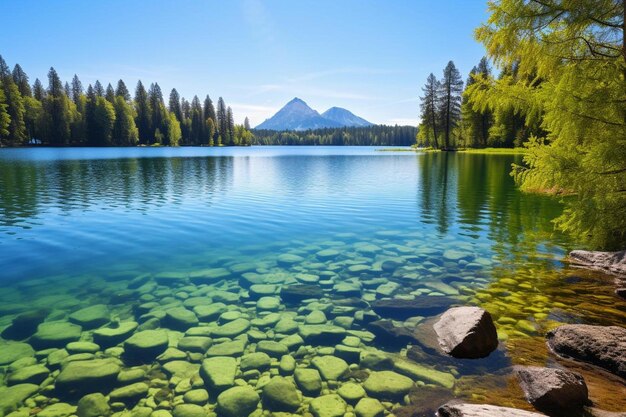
(164, 277)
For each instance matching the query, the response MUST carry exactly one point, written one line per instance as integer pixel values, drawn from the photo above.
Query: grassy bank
(499, 151)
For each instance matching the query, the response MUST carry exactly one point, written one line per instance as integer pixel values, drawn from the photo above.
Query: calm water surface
(77, 224)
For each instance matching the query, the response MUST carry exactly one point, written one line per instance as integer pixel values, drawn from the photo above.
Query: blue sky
(371, 57)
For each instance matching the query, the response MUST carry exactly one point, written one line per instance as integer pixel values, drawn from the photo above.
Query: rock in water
(614, 262)
(280, 395)
(219, 372)
(331, 405)
(146, 345)
(237, 402)
(91, 317)
(553, 391)
(387, 385)
(55, 334)
(93, 405)
(11, 398)
(480, 410)
(96, 375)
(294, 294)
(401, 309)
(390, 335)
(604, 346)
(467, 332)
(25, 325)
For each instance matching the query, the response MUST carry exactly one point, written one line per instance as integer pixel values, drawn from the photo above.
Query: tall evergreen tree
(110, 94)
(125, 132)
(98, 89)
(174, 105)
(15, 105)
(38, 91)
(222, 122)
(77, 89)
(66, 88)
(477, 120)
(5, 119)
(230, 126)
(21, 80)
(209, 113)
(91, 124)
(197, 122)
(56, 109)
(122, 91)
(450, 102)
(429, 106)
(143, 111)
(246, 123)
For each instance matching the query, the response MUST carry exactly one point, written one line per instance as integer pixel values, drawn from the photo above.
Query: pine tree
(5, 119)
(210, 127)
(476, 119)
(246, 123)
(122, 91)
(98, 89)
(105, 122)
(197, 122)
(451, 89)
(174, 105)
(209, 113)
(21, 80)
(222, 122)
(110, 94)
(91, 124)
(185, 125)
(66, 88)
(15, 105)
(77, 89)
(38, 91)
(429, 105)
(157, 106)
(125, 132)
(56, 109)
(143, 118)
(230, 126)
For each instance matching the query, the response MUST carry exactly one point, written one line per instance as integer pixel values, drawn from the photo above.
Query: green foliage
(125, 132)
(569, 80)
(377, 135)
(56, 112)
(5, 119)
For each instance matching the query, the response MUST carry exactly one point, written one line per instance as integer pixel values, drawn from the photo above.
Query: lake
(204, 242)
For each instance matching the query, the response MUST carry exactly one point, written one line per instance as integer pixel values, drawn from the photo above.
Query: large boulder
(480, 410)
(237, 402)
(219, 372)
(280, 395)
(83, 377)
(553, 391)
(25, 325)
(604, 346)
(11, 398)
(467, 332)
(614, 262)
(10, 352)
(330, 367)
(91, 317)
(55, 334)
(114, 334)
(402, 309)
(146, 345)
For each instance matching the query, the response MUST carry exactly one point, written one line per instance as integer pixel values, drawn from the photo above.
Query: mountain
(345, 117)
(297, 115)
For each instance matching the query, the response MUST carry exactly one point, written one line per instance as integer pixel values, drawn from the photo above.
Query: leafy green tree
(15, 105)
(429, 106)
(125, 132)
(571, 68)
(210, 128)
(105, 121)
(451, 88)
(122, 91)
(143, 111)
(173, 132)
(33, 118)
(21, 80)
(56, 112)
(477, 120)
(5, 119)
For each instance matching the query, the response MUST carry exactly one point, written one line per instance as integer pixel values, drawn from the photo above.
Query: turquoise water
(130, 228)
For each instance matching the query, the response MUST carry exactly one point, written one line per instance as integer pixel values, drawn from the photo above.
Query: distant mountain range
(297, 115)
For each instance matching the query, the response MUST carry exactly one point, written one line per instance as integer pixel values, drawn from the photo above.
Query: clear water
(77, 224)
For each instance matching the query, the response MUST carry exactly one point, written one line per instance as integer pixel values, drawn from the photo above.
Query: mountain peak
(297, 115)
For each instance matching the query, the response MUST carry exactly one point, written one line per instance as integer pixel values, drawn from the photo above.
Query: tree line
(377, 135)
(65, 114)
(560, 92)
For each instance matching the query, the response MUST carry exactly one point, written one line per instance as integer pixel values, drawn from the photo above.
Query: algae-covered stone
(330, 367)
(58, 410)
(257, 360)
(331, 405)
(196, 396)
(351, 392)
(233, 348)
(34, 374)
(237, 402)
(10, 352)
(287, 365)
(113, 335)
(171, 278)
(189, 410)
(181, 369)
(179, 318)
(232, 328)
(286, 325)
(273, 349)
(91, 317)
(322, 334)
(93, 405)
(308, 380)
(369, 407)
(96, 375)
(268, 304)
(197, 344)
(209, 312)
(219, 372)
(315, 317)
(82, 347)
(146, 345)
(423, 373)
(280, 394)
(207, 276)
(55, 334)
(12, 397)
(327, 254)
(387, 385)
(288, 259)
(129, 392)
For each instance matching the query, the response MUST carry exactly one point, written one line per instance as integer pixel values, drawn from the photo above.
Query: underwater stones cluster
(319, 330)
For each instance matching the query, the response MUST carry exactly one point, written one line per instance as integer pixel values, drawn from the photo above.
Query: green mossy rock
(219, 372)
(11, 398)
(58, 410)
(331, 405)
(207, 313)
(351, 392)
(96, 375)
(146, 345)
(369, 407)
(273, 349)
(280, 394)
(55, 334)
(309, 381)
(387, 385)
(129, 392)
(331, 368)
(10, 352)
(288, 259)
(196, 396)
(198, 344)
(111, 336)
(91, 317)
(82, 347)
(189, 410)
(34, 374)
(232, 328)
(425, 374)
(258, 360)
(179, 318)
(234, 348)
(93, 405)
(237, 402)
(181, 369)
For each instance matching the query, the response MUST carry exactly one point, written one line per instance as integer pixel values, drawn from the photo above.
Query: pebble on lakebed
(317, 330)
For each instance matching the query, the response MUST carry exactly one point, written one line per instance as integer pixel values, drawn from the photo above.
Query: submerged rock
(401, 309)
(93, 405)
(146, 345)
(387, 385)
(330, 367)
(237, 402)
(553, 391)
(10, 352)
(91, 317)
(24, 325)
(219, 372)
(480, 410)
(55, 334)
(369, 407)
(388, 334)
(295, 294)
(280, 395)
(82, 377)
(34, 374)
(309, 381)
(604, 346)
(12, 397)
(467, 332)
(331, 405)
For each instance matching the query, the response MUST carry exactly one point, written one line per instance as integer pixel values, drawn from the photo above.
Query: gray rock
(219, 372)
(146, 345)
(280, 395)
(553, 391)
(614, 262)
(96, 375)
(467, 332)
(387, 385)
(604, 346)
(237, 402)
(309, 381)
(331, 405)
(93, 405)
(480, 410)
